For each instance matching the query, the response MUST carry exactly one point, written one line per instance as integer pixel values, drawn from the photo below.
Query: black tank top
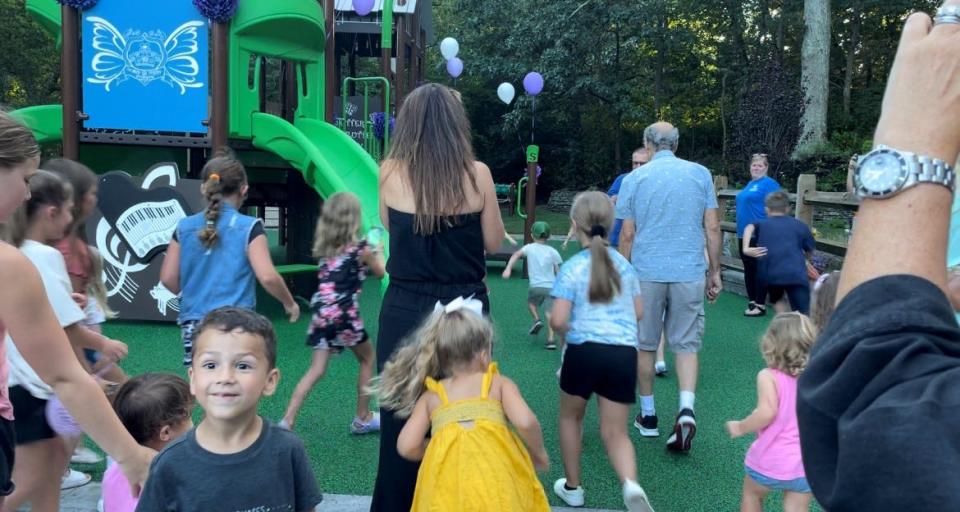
(452, 255)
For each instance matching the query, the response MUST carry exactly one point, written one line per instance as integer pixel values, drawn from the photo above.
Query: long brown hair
(17, 143)
(337, 226)
(443, 342)
(46, 189)
(593, 214)
(222, 176)
(82, 179)
(432, 142)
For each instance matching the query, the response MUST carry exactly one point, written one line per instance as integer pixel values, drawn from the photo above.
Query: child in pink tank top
(773, 461)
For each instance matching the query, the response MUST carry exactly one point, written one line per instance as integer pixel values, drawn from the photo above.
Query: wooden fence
(805, 200)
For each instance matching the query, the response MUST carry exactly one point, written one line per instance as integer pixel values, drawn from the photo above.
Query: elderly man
(669, 207)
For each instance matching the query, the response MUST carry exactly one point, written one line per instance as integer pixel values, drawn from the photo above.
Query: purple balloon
(363, 7)
(533, 83)
(455, 67)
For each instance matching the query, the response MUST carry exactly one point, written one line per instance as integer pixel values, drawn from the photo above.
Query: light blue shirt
(953, 243)
(614, 323)
(667, 198)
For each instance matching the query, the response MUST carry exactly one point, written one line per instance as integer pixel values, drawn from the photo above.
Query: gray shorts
(679, 308)
(540, 297)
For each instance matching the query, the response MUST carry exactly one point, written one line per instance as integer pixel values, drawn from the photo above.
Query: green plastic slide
(329, 159)
(46, 121)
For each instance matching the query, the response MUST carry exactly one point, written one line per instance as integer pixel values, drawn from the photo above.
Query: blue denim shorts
(795, 485)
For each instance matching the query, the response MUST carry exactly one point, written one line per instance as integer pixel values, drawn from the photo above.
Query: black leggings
(750, 273)
(797, 294)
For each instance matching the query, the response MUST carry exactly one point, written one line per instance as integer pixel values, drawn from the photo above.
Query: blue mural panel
(145, 66)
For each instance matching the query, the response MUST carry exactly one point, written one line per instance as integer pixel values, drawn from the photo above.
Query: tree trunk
(851, 57)
(815, 60)
(660, 62)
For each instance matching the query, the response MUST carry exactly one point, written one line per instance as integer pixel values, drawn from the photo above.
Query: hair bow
(470, 304)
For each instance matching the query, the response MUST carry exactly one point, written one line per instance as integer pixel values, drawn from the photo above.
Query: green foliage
(29, 60)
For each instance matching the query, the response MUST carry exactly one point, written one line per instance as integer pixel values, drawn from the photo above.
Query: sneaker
(660, 368)
(360, 427)
(647, 425)
(84, 455)
(284, 425)
(535, 328)
(634, 497)
(551, 345)
(558, 372)
(572, 497)
(73, 478)
(683, 431)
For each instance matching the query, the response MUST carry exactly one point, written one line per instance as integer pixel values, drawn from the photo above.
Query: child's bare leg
(796, 501)
(533, 311)
(753, 496)
(365, 356)
(613, 431)
(318, 368)
(572, 409)
(550, 334)
(36, 474)
(663, 342)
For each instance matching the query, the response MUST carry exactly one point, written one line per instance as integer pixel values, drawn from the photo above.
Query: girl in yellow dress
(444, 381)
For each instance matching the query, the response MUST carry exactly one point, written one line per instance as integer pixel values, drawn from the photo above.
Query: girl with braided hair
(216, 255)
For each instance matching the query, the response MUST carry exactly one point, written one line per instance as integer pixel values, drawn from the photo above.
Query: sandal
(757, 310)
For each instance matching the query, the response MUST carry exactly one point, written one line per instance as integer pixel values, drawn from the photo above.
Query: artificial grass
(708, 478)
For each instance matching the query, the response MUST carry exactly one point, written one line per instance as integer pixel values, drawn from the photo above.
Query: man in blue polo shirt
(640, 157)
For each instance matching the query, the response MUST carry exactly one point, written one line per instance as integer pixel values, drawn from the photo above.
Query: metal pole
(330, 55)
(218, 79)
(386, 45)
(533, 157)
(70, 78)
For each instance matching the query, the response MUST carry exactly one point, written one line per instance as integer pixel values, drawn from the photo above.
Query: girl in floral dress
(344, 262)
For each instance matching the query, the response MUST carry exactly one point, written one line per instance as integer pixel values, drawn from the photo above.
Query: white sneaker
(573, 498)
(73, 478)
(634, 497)
(84, 455)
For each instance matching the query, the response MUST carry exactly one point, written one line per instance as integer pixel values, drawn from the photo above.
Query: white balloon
(506, 92)
(449, 48)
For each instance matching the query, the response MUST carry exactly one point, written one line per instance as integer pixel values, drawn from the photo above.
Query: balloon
(506, 92)
(363, 7)
(455, 67)
(533, 83)
(449, 47)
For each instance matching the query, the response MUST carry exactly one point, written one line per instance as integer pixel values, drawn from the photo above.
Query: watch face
(881, 173)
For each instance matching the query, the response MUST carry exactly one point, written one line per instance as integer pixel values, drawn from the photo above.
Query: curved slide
(46, 121)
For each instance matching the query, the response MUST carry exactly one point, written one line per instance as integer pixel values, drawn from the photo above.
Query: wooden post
(219, 91)
(533, 157)
(70, 80)
(806, 185)
(330, 60)
(720, 183)
(400, 87)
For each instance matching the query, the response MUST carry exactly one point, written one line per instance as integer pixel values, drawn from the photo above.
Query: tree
(815, 71)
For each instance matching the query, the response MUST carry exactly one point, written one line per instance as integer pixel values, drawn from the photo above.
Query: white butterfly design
(145, 56)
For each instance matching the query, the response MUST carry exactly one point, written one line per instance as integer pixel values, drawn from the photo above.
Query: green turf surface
(709, 478)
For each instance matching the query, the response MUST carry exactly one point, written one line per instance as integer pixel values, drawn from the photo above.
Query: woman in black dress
(440, 207)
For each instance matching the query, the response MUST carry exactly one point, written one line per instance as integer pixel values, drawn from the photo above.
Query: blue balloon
(533, 83)
(362, 7)
(455, 67)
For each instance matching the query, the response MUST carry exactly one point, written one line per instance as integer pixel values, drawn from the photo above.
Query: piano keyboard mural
(133, 225)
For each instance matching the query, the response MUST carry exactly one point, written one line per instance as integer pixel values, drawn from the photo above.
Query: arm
(525, 421)
(509, 238)
(39, 338)
(170, 271)
(766, 410)
(627, 232)
(919, 114)
(513, 259)
(259, 254)
(638, 307)
(560, 315)
(373, 259)
(570, 233)
(412, 442)
(753, 252)
(490, 220)
(711, 223)
(82, 337)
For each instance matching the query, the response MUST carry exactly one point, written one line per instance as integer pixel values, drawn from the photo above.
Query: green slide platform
(46, 121)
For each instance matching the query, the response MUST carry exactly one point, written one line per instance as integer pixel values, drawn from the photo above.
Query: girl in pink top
(773, 460)
(156, 408)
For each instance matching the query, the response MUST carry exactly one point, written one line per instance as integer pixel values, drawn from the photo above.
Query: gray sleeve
(152, 497)
(306, 490)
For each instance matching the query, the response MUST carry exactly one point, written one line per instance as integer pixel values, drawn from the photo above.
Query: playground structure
(139, 88)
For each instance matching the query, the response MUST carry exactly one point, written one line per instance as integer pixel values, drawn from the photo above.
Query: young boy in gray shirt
(234, 461)
(543, 262)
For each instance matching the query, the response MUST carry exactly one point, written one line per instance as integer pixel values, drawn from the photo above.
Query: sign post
(533, 158)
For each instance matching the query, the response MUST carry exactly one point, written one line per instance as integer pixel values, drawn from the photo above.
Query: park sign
(145, 66)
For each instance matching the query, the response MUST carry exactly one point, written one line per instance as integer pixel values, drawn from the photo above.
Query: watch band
(924, 169)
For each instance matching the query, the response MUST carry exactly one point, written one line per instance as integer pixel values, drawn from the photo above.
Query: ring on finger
(949, 14)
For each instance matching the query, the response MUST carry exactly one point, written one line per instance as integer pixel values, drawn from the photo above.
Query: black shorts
(7, 444)
(30, 413)
(607, 370)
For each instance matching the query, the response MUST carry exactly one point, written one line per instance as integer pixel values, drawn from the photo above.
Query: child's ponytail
(593, 214)
(223, 176)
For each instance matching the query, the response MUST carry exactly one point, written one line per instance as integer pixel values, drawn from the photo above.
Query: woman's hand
(755, 252)
(293, 311)
(137, 467)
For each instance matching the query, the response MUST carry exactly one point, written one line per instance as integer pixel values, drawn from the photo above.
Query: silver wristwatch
(885, 172)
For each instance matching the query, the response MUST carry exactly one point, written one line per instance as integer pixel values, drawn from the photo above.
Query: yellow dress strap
(437, 388)
(487, 380)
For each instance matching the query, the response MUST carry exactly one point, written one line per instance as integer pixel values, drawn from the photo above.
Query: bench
(507, 197)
